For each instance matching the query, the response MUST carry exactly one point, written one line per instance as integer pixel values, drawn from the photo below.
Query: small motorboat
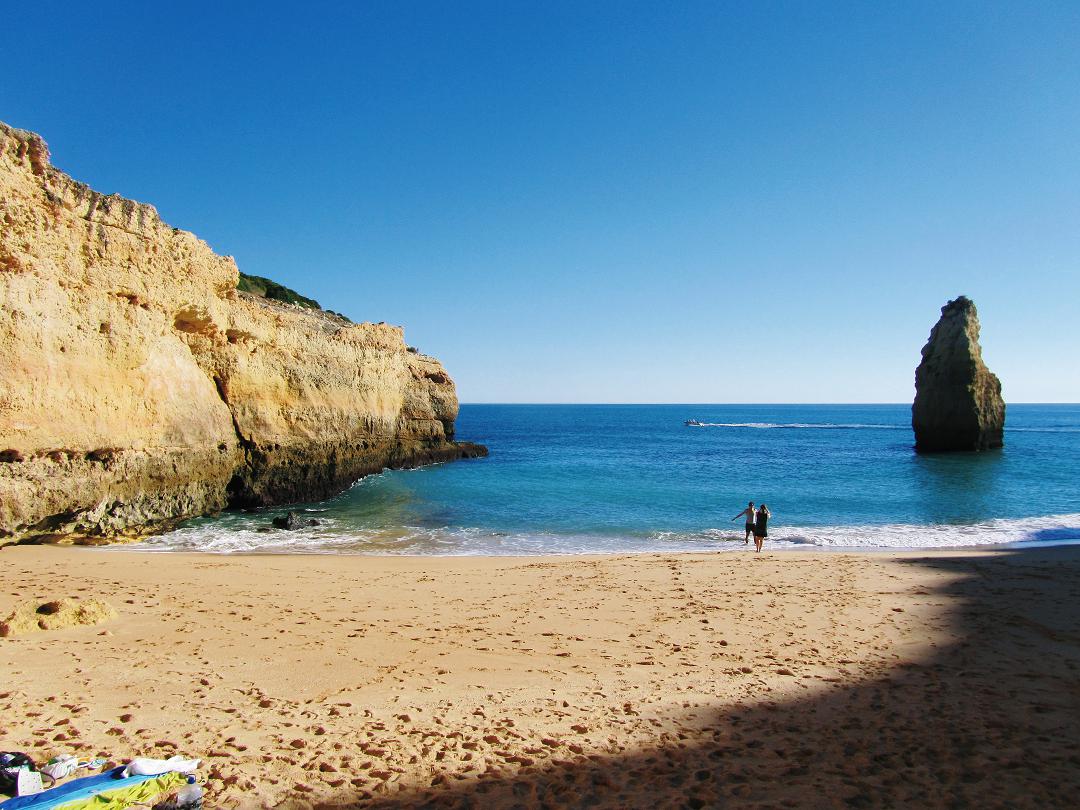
(694, 423)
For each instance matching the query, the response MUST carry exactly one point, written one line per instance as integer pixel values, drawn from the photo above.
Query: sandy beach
(946, 679)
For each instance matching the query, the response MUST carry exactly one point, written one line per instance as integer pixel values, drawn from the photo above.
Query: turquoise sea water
(603, 478)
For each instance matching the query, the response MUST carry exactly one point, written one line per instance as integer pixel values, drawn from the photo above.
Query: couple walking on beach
(757, 524)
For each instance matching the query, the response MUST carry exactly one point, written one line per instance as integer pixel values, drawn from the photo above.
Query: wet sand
(947, 679)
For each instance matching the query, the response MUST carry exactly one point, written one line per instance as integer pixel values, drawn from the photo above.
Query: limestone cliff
(958, 404)
(138, 387)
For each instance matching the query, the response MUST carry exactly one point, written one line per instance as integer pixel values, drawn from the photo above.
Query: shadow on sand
(991, 719)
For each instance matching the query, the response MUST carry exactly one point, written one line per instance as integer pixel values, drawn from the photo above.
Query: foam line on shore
(332, 537)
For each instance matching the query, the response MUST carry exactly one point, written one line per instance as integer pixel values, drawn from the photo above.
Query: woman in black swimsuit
(761, 526)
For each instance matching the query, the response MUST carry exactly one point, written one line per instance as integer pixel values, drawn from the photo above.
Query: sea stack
(139, 386)
(958, 404)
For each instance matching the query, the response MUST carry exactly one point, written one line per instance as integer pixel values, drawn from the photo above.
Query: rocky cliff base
(139, 387)
(958, 404)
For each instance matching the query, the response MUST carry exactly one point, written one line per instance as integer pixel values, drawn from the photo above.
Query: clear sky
(606, 201)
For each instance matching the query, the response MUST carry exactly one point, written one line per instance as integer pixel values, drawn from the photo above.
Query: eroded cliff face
(138, 387)
(958, 404)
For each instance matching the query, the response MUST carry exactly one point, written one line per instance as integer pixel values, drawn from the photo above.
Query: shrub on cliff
(265, 288)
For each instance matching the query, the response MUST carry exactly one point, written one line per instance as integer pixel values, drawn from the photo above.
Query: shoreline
(653, 679)
(340, 532)
(563, 555)
(1044, 531)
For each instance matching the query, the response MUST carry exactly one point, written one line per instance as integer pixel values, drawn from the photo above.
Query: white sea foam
(1049, 429)
(331, 537)
(857, 426)
(1045, 529)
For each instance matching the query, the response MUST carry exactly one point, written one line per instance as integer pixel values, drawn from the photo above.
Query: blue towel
(85, 788)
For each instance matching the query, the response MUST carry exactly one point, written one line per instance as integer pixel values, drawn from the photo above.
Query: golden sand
(947, 679)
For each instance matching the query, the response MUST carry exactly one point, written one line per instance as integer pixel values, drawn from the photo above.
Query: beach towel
(106, 791)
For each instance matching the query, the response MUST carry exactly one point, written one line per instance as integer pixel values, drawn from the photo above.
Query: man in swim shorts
(749, 512)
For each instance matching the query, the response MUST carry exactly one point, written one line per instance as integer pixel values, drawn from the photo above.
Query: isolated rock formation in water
(958, 404)
(138, 386)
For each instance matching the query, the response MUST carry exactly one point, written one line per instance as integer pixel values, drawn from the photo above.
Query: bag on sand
(11, 763)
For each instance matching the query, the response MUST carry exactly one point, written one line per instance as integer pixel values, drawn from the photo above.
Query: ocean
(567, 479)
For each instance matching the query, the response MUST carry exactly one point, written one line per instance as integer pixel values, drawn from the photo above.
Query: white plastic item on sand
(187, 798)
(189, 794)
(144, 766)
(61, 766)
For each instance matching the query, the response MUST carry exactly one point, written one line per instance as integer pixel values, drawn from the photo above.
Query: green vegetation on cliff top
(265, 288)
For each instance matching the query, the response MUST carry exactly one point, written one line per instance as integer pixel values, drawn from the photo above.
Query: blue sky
(611, 201)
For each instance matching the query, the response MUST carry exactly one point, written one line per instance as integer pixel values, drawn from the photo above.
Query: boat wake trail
(796, 426)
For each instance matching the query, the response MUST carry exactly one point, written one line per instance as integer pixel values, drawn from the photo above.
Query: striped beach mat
(105, 791)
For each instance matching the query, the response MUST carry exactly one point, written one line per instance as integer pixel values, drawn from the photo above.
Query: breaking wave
(332, 537)
(1049, 529)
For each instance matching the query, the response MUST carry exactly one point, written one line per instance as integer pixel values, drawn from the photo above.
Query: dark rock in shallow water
(958, 404)
(304, 474)
(293, 521)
